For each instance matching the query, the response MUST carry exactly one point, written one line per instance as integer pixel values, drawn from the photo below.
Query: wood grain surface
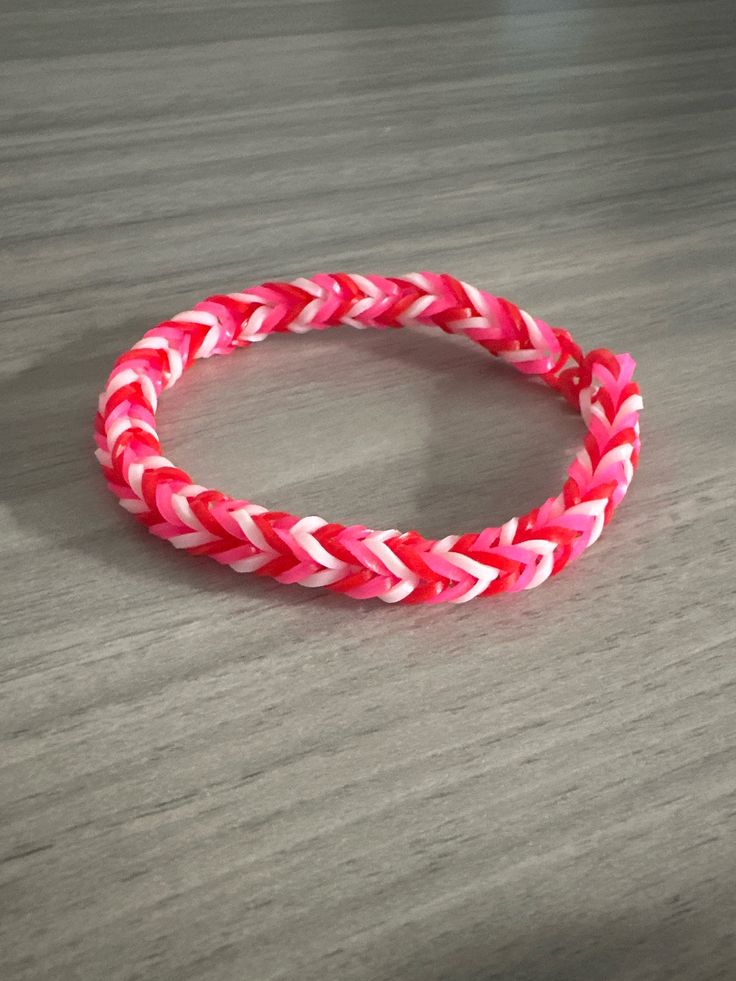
(206, 776)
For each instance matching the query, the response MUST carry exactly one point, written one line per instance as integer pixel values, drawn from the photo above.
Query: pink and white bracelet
(357, 561)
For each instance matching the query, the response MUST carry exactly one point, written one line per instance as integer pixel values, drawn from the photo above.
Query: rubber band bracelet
(354, 560)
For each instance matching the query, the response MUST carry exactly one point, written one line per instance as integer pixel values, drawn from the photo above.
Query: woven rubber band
(354, 560)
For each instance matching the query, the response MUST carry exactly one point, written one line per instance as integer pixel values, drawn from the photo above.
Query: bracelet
(354, 560)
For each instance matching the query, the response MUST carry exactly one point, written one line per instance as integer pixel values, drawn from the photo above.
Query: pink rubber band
(358, 561)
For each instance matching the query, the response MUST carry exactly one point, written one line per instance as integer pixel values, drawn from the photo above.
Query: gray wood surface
(206, 776)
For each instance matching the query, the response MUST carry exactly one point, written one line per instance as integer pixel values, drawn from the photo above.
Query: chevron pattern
(354, 560)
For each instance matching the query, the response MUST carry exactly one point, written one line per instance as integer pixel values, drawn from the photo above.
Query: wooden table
(206, 776)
